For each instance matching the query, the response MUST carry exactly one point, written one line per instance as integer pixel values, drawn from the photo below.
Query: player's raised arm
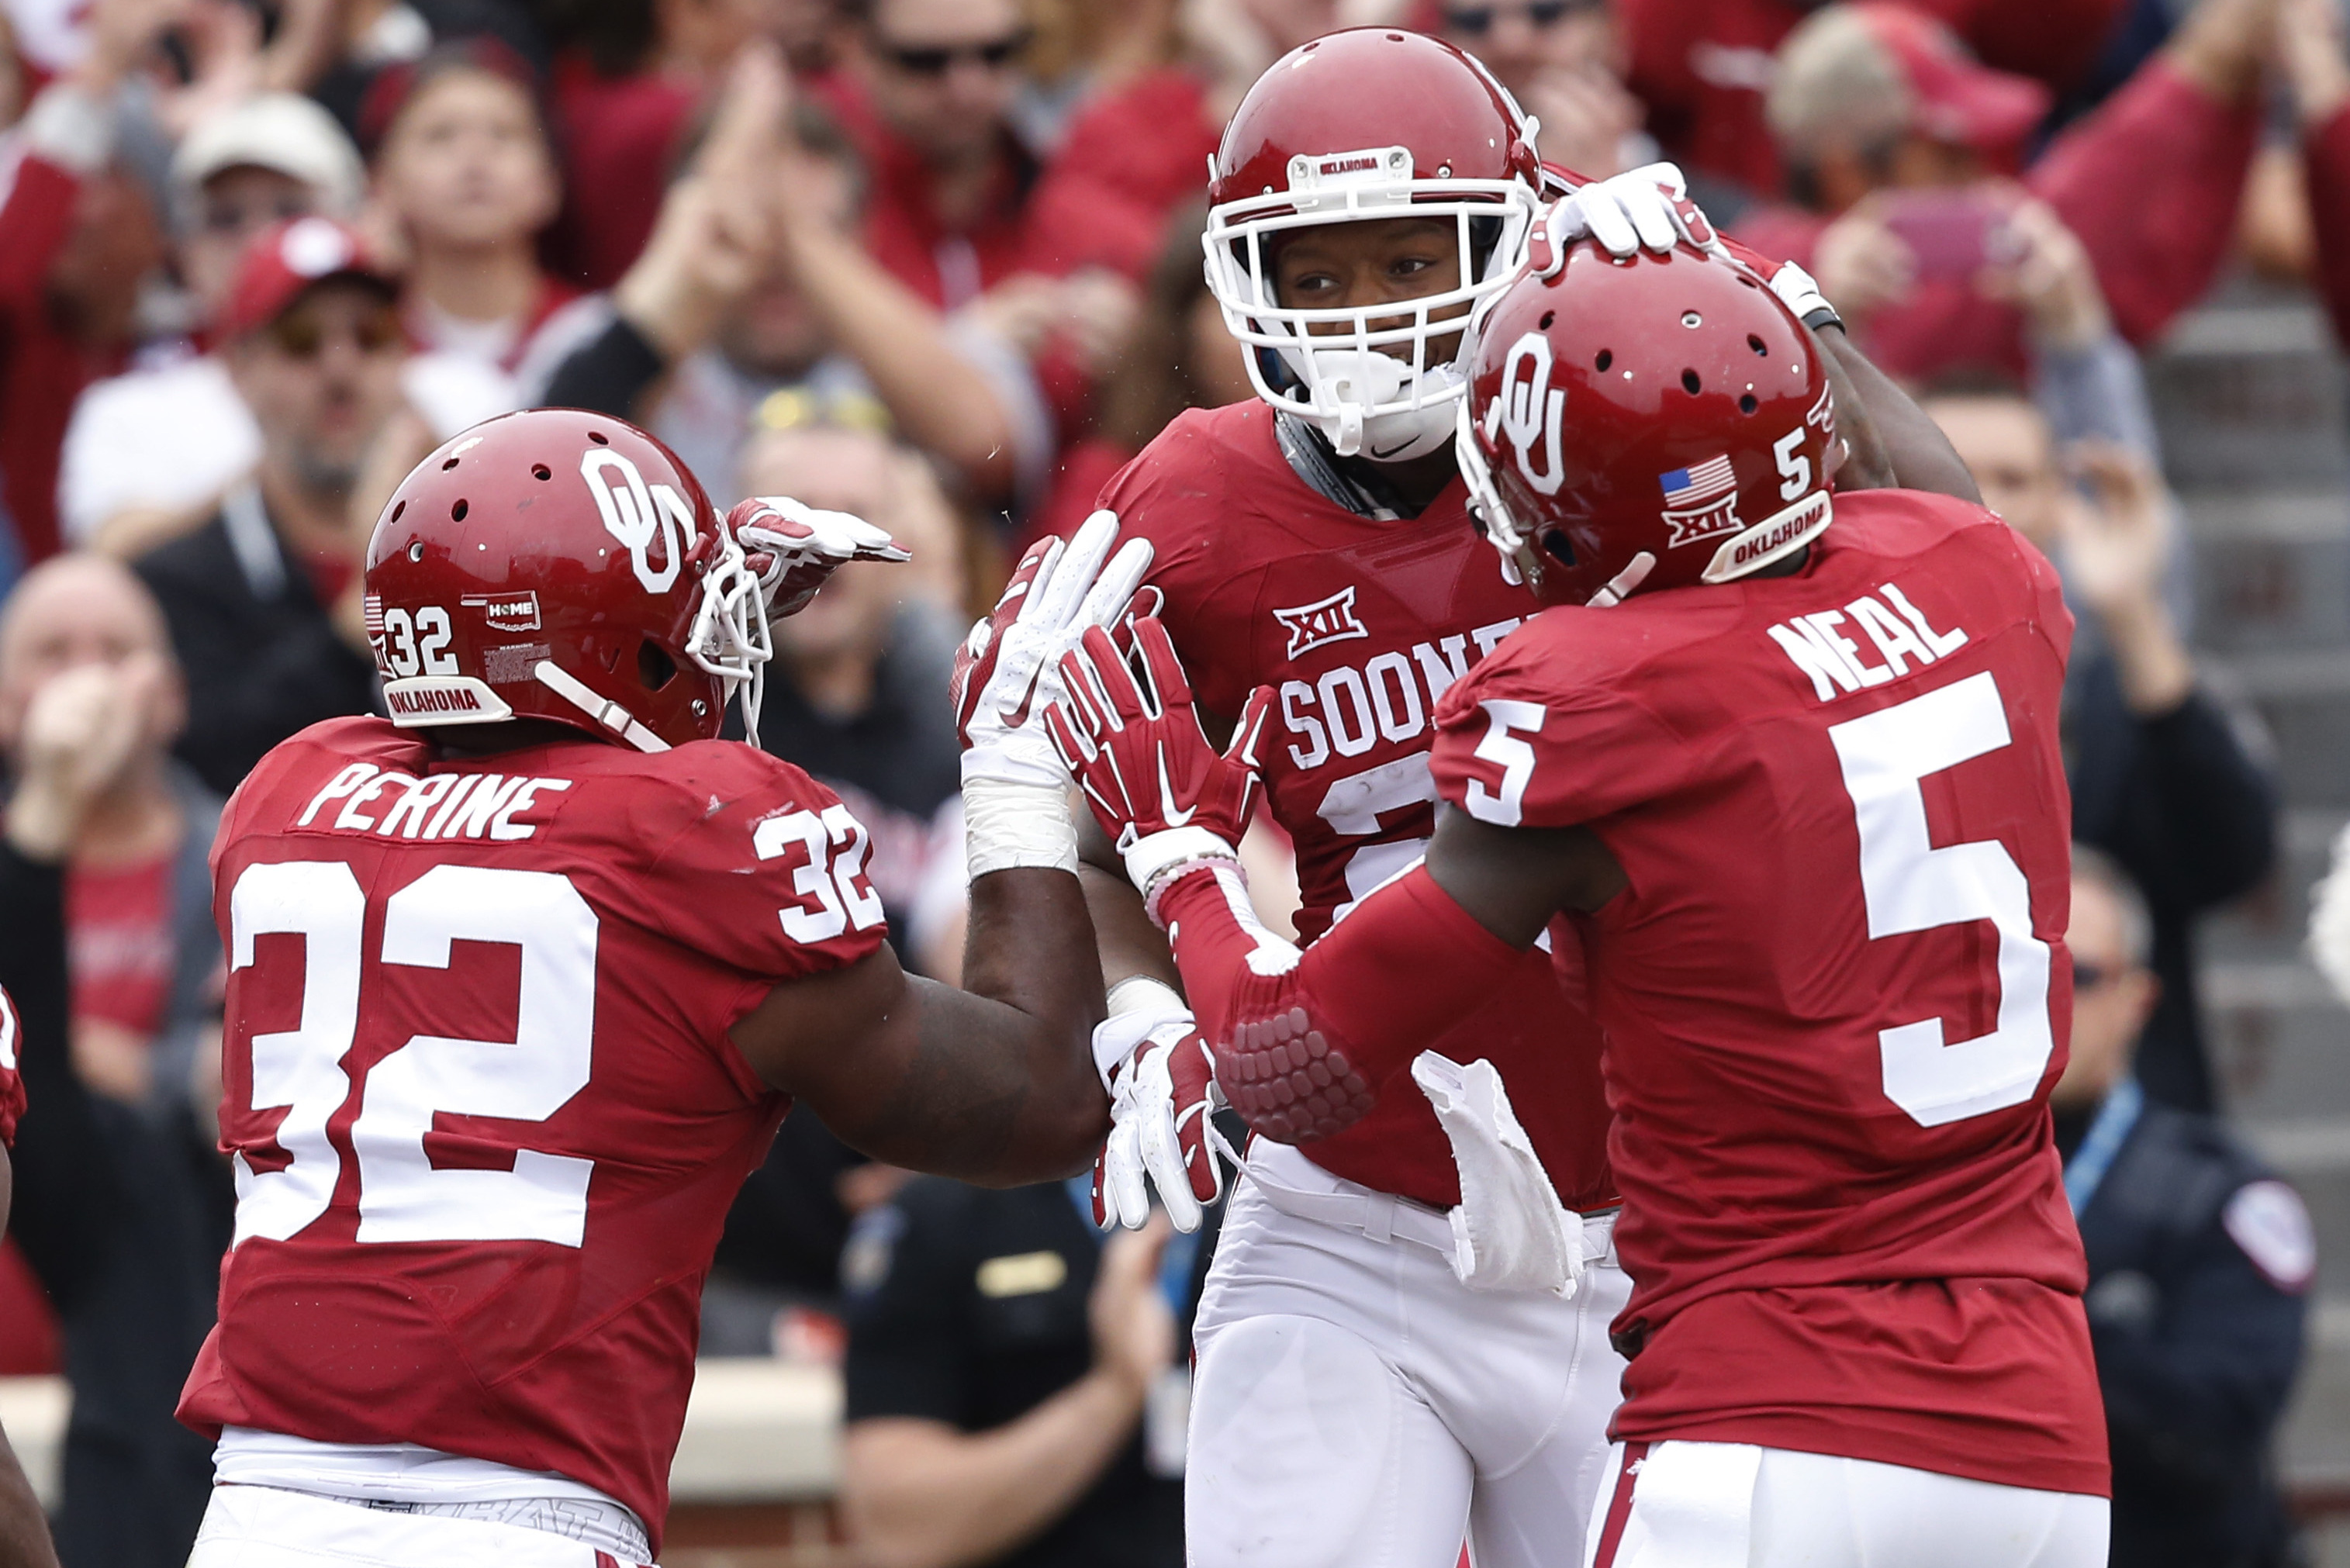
(994, 1083)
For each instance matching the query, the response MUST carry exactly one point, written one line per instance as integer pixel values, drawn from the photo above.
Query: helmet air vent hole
(1547, 317)
(540, 471)
(599, 438)
(655, 668)
(1691, 318)
(1690, 384)
(1606, 358)
(415, 551)
(1761, 351)
(457, 513)
(396, 511)
(448, 465)
(1746, 403)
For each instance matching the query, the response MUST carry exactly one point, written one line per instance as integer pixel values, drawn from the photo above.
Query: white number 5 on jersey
(1910, 885)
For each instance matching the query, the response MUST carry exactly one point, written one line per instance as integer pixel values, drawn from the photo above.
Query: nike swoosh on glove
(1162, 1097)
(1163, 794)
(793, 549)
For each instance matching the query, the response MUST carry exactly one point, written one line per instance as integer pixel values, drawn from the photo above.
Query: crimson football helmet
(554, 564)
(1358, 126)
(1642, 422)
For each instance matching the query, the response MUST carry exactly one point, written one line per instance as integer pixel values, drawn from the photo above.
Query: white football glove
(793, 548)
(1007, 676)
(1799, 292)
(1163, 1093)
(1647, 209)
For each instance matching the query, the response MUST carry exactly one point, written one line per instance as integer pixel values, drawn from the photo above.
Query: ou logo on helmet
(1527, 411)
(636, 514)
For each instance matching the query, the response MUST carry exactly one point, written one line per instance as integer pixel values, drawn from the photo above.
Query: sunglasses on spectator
(1476, 21)
(923, 60)
(300, 335)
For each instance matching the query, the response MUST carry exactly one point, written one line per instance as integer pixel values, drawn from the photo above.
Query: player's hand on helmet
(1648, 208)
(1157, 786)
(1163, 1093)
(793, 549)
(1007, 672)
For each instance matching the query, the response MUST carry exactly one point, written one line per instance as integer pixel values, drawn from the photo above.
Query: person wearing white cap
(147, 450)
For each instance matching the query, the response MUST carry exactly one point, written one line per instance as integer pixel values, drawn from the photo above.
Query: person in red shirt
(1704, 66)
(89, 694)
(625, 93)
(926, 96)
(523, 980)
(1782, 780)
(122, 895)
(463, 165)
(1898, 145)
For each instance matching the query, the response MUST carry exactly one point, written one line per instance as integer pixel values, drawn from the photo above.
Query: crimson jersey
(1834, 992)
(1361, 624)
(485, 1119)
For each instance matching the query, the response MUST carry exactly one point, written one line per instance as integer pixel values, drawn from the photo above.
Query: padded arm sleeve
(1302, 1041)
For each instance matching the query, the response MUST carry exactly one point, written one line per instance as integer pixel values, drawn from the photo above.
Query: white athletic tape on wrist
(1033, 764)
(1151, 859)
(1008, 825)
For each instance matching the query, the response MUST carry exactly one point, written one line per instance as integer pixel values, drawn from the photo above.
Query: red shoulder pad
(758, 864)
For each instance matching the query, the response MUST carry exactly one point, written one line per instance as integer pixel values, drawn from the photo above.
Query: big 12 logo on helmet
(1528, 409)
(636, 514)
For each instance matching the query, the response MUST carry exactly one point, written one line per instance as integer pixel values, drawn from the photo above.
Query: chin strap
(730, 638)
(606, 712)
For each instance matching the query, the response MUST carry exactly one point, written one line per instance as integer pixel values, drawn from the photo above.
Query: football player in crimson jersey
(24, 1534)
(521, 980)
(1794, 795)
(1371, 188)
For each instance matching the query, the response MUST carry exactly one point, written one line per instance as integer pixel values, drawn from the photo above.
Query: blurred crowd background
(936, 262)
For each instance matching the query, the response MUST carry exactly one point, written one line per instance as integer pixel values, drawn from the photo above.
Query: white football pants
(264, 1527)
(1734, 1505)
(1355, 1406)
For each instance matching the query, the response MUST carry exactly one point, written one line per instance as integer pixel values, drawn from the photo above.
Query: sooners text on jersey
(485, 1119)
(1360, 626)
(1834, 992)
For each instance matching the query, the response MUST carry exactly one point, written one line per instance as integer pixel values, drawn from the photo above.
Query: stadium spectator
(264, 600)
(1894, 147)
(148, 451)
(137, 898)
(109, 840)
(1014, 1390)
(853, 696)
(78, 237)
(2198, 1262)
(1896, 141)
(754, 286)
(1564, 61)
(2310, 49)
(625, 91)
(1178, 356)
(2160, 778)
(1704, 66)
(464, 168)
